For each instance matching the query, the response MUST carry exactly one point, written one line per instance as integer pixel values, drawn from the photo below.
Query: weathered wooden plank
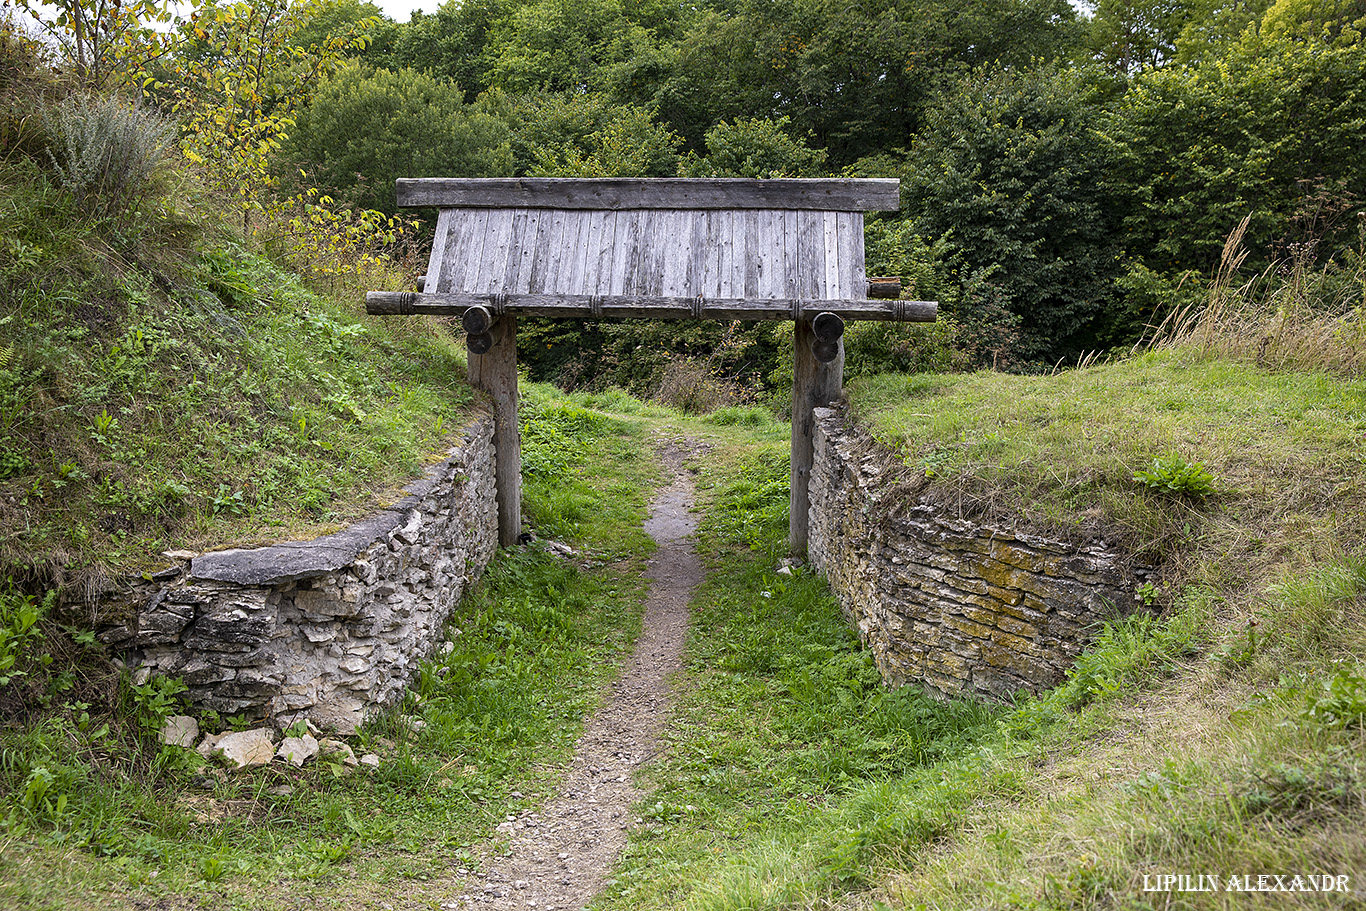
(474, 250)
(791, 258)
(457, 237)
(541, 264)
(517, 279)
(811, 255)
(497, 249)
(813, 384)
(389, 303)
(626, 246)
(725, 253)
(649, 264)
(432, 281)
(576, 257)
(676, 258)
(832, 256)
(706, 248)
(833, 194)
(849, 229)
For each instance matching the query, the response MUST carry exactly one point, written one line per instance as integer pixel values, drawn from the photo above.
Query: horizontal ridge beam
(823, 194)
(398, 303)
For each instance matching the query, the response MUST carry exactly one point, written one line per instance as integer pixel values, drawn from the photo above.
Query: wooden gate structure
(686, 248)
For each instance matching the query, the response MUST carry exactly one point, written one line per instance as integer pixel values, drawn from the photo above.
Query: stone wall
(963, 607)
(329, 629)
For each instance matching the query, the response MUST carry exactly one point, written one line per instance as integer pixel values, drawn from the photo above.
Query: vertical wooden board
(438, 256)
(600, 256)
(734, 258)
(753, 255)
(769, 243)
(474, 250)
(810, 255)
(650, 259)
(517, 279)
(830, 240)
(575, 243)
(585, 279)
(559, 254)
(626, 251)
(723, 232)
(540, 246)
(707, 250)
(497, 249)
(792, 261)
(853, 282)
(457, 244)
(675, 256)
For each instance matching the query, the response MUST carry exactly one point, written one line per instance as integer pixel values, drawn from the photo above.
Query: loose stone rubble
(965, 608)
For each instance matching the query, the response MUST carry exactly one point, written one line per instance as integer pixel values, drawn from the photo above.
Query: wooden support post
(813, 384)
(495, 372)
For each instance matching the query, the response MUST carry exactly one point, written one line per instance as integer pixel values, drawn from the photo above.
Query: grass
(1177, 744)
(96, 816)
(1285, 451)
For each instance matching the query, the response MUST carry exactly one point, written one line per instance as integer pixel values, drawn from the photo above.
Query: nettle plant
(1171, 473)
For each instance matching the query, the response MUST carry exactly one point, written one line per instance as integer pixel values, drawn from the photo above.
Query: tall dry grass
(1296, 314)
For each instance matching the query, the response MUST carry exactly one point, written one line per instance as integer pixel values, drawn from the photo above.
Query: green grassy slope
(1224, 737)
(162, 387)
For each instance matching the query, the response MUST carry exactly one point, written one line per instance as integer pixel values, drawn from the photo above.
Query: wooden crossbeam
(402, 303)
(824, 194)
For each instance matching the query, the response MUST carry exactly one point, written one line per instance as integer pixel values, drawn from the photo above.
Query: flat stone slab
(245, 749)
(294, 560)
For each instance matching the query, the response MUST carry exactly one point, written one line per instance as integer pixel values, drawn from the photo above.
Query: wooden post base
(814, 384)
(495, 372)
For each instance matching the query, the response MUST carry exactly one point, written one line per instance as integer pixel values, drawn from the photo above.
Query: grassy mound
(163, 386)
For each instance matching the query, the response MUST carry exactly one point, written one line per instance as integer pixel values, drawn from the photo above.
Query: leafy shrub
(107, 152)
(1171, 473)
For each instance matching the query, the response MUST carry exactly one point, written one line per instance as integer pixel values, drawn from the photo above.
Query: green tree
(1009, 174)
(106, 42)
(754, 148)
(366, 128)
(855, 76)
(240, 76)
(1259, 133)
(568, 134)
(448, 44)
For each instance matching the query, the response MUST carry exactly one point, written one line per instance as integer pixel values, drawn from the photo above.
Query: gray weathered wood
(826, 194)
(397, 303)
(813, 384)
(496, 374)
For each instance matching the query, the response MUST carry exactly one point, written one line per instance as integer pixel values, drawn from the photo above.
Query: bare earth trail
(561, 855)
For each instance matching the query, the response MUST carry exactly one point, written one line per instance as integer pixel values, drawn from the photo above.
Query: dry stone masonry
(966, 609)
(329, 629)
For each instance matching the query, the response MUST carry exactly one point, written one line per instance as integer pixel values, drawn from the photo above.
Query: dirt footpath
(561, 855)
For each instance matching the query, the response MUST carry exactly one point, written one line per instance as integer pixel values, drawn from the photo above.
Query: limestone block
(297, 750)
(245, 749)
(180, 731)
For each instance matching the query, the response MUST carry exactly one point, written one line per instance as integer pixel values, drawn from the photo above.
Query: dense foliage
(1073, 175)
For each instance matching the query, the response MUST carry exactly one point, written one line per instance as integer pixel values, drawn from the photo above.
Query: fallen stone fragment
(246, 749)
(180, 731)
(206, 746)
(338, 749)
(297, 750)
(371, 760)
